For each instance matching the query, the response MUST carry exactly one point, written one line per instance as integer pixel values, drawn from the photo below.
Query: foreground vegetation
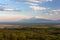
(30, 33)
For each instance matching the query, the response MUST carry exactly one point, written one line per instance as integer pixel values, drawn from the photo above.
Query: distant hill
(39, 21)
(34, 21)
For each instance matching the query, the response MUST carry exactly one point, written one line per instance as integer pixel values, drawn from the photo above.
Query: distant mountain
(39, 21)
(34, 21)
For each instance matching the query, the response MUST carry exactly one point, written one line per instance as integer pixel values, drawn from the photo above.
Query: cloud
(16, 17)
(25, 0)
(13, 17)
(56, 11)
(8, 9)
(32, 4)
(40, 17)
(53, 12)
(37, 1)
(38, 8)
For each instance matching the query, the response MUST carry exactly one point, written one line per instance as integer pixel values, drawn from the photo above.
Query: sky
(16, 10)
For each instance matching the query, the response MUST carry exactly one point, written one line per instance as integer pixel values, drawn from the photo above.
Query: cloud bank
(8, 9)
(38, 8)
(15, 17)
(37, 1)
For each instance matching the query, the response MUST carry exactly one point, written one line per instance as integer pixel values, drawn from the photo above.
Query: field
(32, 32)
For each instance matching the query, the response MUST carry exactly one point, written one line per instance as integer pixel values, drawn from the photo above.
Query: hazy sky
(15, 10)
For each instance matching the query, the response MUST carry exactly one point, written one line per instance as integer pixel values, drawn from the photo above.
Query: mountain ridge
(34, 21)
